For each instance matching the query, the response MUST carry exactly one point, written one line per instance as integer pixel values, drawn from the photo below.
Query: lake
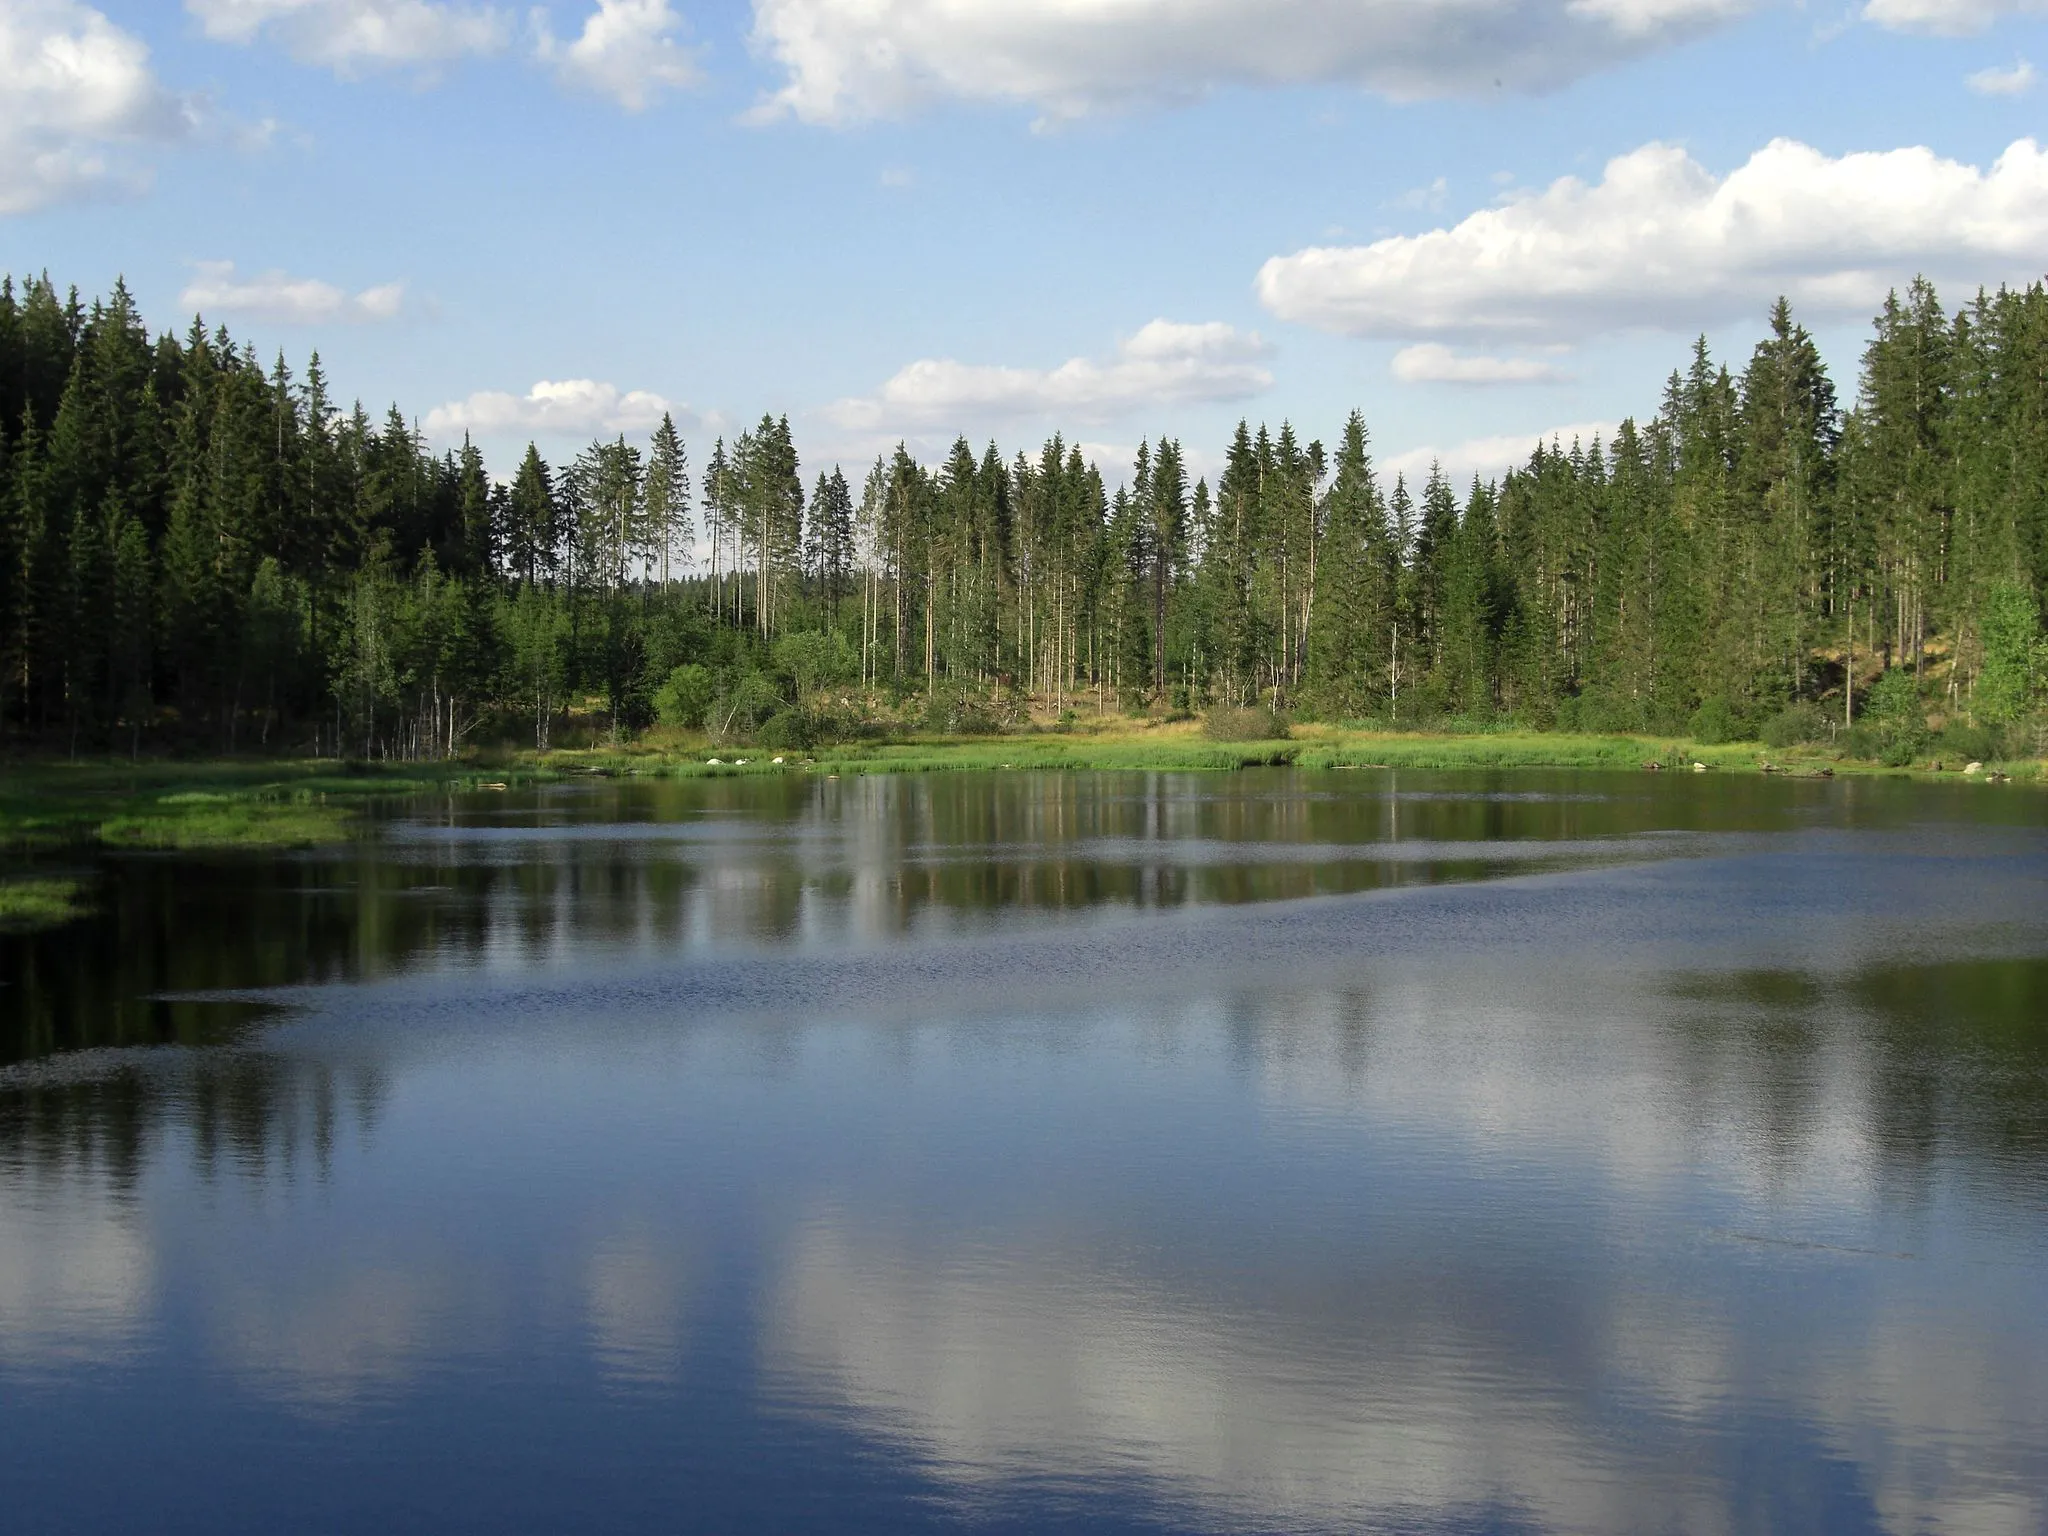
(1269, 1151)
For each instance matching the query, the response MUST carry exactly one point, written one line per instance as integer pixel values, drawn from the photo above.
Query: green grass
(32, 904)
(230, 824)
(1181, 747)
(220, 804)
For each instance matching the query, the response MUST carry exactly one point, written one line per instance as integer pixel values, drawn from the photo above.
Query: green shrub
(789, 728)
(741, 709)
(814, 659)
(1968, 743)
(2015, 655)
(955, 711)
(1252, 722)
(1894, 718)
(1795, 725)
(1715, 722)
(683, 699)
(1900, 751)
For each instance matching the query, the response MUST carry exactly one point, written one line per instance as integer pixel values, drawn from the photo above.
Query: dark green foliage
(1795, 725)
(794, 727)
(198, 551)
(1961, 744)
(743, 705)
(957, 711)
(1715, 722)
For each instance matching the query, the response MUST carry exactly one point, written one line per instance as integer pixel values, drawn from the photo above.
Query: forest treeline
(200, 552)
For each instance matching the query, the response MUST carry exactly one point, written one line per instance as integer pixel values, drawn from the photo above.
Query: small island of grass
(28, 904)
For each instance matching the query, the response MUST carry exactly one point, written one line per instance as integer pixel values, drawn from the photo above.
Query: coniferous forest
(199, 552)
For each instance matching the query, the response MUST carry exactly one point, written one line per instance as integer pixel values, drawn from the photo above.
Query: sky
(1479, 222)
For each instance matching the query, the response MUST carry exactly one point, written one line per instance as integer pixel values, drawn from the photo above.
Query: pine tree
(670, 534)
(1354, 596)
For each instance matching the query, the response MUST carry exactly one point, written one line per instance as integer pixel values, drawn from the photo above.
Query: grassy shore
(1174, 746)
(284, 804)
(216, 804)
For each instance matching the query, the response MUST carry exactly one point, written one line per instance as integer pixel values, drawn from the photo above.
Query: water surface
(1266, 1151)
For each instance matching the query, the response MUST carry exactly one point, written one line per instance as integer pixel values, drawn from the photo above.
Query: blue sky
(1120, 218)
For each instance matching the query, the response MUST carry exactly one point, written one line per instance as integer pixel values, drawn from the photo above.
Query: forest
(199, 553)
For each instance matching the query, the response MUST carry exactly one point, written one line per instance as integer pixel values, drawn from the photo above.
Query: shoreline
(288, 803)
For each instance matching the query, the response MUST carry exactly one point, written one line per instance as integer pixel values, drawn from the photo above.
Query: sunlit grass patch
(222, 823)
(44, 903)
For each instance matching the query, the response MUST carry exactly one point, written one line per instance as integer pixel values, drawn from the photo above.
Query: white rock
(1974, 768)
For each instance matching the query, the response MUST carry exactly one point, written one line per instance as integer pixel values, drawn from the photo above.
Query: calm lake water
(1262, 1152)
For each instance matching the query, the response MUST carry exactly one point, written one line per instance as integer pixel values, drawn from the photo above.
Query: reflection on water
(1478, 1293)
(1698, 1182)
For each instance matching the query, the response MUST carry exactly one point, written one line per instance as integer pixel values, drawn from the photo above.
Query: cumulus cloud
(849, 60)
(350, 35)
(569, 407)
(76, 94)
(216, 289)
(1488, 458)
(1944, 18)
(1660, 242)
(1165, 363)
(1431, 362)
(627, 51)
(2015, 79)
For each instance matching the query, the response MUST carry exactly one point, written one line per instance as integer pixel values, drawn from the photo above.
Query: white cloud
(2015, 79)
(568, 407)
(848, 60)
(347, 35)
(1943, 18)
(75, 91)
(1431, 362)
(217, 289)
(1659, 242)
(1165, 363)
(1488, 457)
(627, 51)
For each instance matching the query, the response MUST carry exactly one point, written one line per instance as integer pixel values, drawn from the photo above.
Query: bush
(959, 712)
(1244, 723)
(1899, 751)
(2015, 655)
(1894, 718)
(814, 659)
(789, 728)
(1969, 743)
(743, 707)
(1795, 725)
(1715, 722)
(683, 699)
